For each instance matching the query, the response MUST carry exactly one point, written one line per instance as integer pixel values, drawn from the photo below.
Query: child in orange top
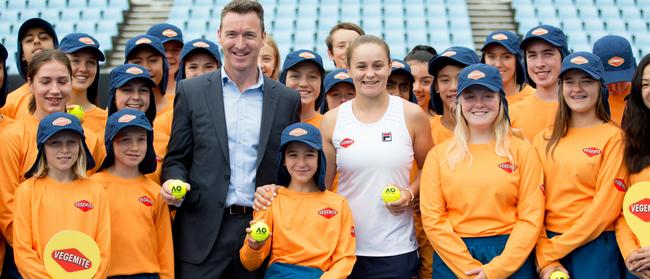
(145, 249)
(302, 215)
(582, 157)
(4, 121)
(303, 71)
(58, 196)
(418, 60)
(85, 55)
(618, 60)
(637, 160)
(501, 50)
(482, 225)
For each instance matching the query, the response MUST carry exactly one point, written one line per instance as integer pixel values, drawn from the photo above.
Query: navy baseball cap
(156, 45)
(590, 64)
(299, 56)
(398, 66)
(120, 76)
(26, 26)
(456, 55)
(548, 33)
(618, 59)
(333, 78)
(510, 41)
(52, 125)
(166, 32)
(482, 75)
(5, 87)
(119, 121)
(307, 134)
(74, 42)
(197, 45)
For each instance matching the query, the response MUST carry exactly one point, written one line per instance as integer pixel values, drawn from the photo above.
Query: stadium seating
(99, 18)
(585, 21)
(297, 24)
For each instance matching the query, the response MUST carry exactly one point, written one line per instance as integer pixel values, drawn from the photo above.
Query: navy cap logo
(86, 40)
(448, 53)
(143, 41)
(397, 64)
(61, 121)
(539, 31)
(201, 44)
(126, 118)
(169, 33)
(476, 74)
(499, 37)
(342, 75)
(579, 60)
(307, 55)
(616, 61)
(298, 132)
(134, 71)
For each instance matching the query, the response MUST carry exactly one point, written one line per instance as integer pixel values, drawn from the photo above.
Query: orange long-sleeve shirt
(18, 153)
(532, 115)
(160, 142)
(490, 197)
(141, 235)
(525, 92)
(439, 132)
(17, 103)
(45, 207)
(626, 239)
(95, 120)
(4, 122)
(299, 223)
(315, 121)
(617, 106)
(584, 183)
(163, 122)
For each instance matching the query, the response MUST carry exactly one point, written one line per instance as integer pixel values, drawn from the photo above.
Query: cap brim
(90, 161)
(308, 143)
(439, 62)
(508, 47)
(526, 41)
(619, 76)
(405, 72)
(488, 86)
(590, 73)
(337, 82)
(96, 51)
(126, 80)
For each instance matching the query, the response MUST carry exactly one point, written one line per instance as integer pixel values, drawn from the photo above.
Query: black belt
(238, 210)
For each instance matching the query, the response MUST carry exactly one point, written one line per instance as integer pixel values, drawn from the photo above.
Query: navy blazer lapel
(214, 99)
(269, 104)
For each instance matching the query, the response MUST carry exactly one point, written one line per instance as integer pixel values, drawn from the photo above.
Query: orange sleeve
(103, 237)
(530, 210)
(449, 246)
(165, 244)
(343, 258)
(601, 213)
(29, 262)
(250, 258)
(10, 175)
(625, 238)
(97, 149)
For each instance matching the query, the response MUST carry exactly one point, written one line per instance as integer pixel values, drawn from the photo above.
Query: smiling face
(301, 162)
(580, 91)
(447, 86)
(199, 63)
(480, 106)
(267, 60)
(173, 53)
(506, 62)
(340, 94)
(35, 40)
(241, 37)
(369, 69)
(645, 87)
(84, 69)
(62, 151)
(341, 39)
(399, 85)
(135, 94)
(543, 63)
(51, 87)
(130, 146)
(422, 84)
(150, 60)
(306, 79)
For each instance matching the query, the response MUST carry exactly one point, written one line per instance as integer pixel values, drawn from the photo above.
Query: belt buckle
(238, 210)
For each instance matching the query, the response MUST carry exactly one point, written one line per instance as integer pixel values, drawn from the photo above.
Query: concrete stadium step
(489, 15)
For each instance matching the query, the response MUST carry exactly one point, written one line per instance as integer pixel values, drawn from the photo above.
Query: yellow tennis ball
(559, 275)
(260, 231)
(178, 189)
(77, 111)
(391, 193)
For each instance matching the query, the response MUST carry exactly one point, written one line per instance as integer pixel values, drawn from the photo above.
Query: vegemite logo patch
(298, 132)
(397, 64)
(143, 41)
(307, 55)
(592, 151)
(353, 233)
(328, 212)
(169, 33)
(146, 201)
(448, 53)
(71, 260)
(507, 167)
(539, 31)
(342, 75)
(616, 61)
(499, 37)
(84, 205)
(476, 74)
(86, 40)
(579, 60)
(641, 209)
(134, 71)
(201, 44)
(61, 121)
(620, 184)
(126, 118)
(387, 136)
(345, 143)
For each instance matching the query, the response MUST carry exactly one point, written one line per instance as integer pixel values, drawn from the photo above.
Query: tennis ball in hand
(260, 231)
(559, 275)
(178, 189)
(77, 111)
(390, 193)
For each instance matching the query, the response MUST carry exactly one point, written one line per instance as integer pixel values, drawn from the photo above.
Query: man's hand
(166, 192)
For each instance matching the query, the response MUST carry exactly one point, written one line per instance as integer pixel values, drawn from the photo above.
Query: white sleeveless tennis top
(369, 157)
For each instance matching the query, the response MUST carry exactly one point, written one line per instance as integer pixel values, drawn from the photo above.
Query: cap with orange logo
(198, 45)
(307, 56)
(485, 76)
(618, 58)
(548, 33)
(154, 44)
(74, 42)
(122, 75)
(306, 134)
(590, 64)
(121, 120)
(400, 67)
(166, 32)
(457, 55)
(510, 41)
